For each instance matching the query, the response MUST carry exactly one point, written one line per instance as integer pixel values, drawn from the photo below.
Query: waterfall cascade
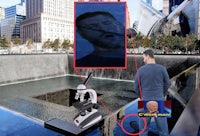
(16, 68)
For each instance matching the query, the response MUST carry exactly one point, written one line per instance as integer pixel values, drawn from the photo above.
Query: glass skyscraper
(10, 26)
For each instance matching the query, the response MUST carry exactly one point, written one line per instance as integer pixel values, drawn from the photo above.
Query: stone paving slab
(15, 124)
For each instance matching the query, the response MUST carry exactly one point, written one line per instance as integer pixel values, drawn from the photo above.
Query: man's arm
(166, 81)
(136, 86)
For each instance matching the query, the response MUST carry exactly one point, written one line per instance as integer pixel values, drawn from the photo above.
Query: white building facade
(2, 13)
(48, 19)
(2, 16)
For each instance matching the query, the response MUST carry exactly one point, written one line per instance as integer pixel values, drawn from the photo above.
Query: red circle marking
(133, 134)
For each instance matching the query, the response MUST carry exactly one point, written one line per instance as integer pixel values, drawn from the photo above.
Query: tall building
(2, 13)
(10, 26)
(48, 19)
(2, 16)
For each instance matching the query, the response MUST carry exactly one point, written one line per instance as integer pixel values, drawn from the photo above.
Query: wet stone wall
(174, 64)
(15, 68)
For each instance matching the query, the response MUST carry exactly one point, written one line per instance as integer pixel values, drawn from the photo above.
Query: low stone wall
(174, 64)
(24, 67)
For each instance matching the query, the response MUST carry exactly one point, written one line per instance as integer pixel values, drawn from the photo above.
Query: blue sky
(132, 6)
(8, 3)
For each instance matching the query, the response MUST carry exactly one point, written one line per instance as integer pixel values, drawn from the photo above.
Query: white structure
(148, 17)
(48, 19)
(157, 4)
(2, 16)
(2, 13)
(165, 9)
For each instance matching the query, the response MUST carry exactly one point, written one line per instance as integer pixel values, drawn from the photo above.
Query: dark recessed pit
(63, 97)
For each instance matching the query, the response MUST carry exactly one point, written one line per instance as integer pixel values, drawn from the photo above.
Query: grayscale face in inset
(104, 31)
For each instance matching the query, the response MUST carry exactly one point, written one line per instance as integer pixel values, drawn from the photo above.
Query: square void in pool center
(64, 97)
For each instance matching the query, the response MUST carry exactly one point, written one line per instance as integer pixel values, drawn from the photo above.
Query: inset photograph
(154, 108)
(100, 35)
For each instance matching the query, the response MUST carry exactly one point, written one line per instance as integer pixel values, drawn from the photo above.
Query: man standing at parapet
(151, 83)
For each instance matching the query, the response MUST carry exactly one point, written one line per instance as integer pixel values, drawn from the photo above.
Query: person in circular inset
(107, 37)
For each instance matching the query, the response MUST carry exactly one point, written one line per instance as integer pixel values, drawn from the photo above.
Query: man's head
(101, 28)
(91, 14)
(148, 56)
(152, 106)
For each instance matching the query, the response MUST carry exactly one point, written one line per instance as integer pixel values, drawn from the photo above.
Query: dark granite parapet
(16, 68)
